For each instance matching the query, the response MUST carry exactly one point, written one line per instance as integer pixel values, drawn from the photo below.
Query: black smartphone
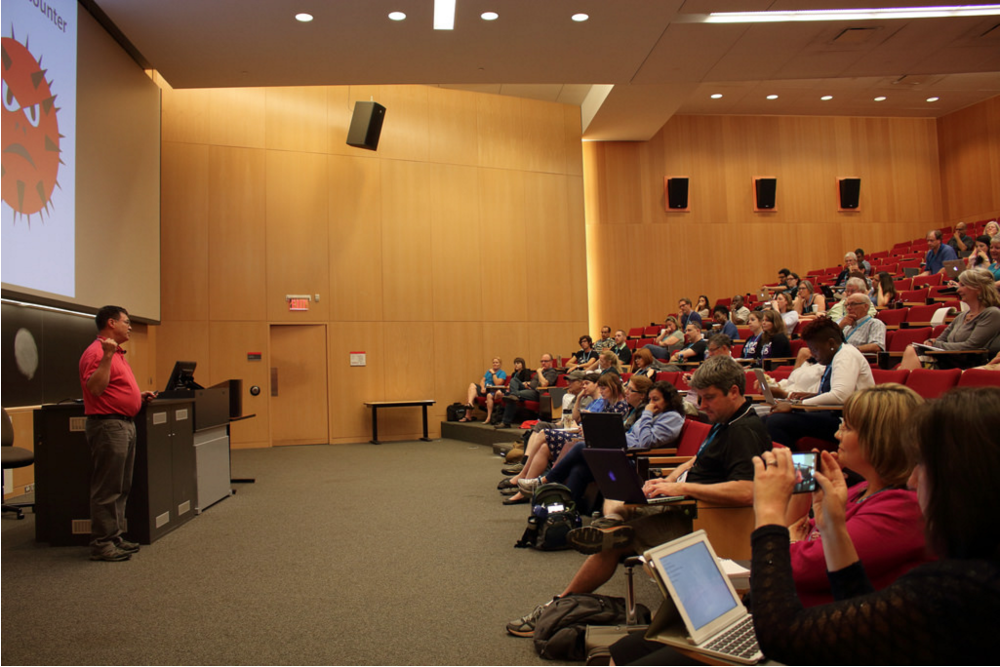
(805, 466)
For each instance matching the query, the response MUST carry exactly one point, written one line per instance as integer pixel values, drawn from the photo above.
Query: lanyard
(711, 436)
(824, 385)
(857, 326)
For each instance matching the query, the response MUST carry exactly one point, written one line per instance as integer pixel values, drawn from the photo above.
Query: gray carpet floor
(396, 554)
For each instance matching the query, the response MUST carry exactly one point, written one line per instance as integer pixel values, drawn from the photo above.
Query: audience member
(703, 308)
(979, 258)
(621, 347)
(861, 329)
(752, 345)
(494, 377)
(608, 362)
(545, 376)
(808, 302)
(959, 241)
(938, 613)
(992, 229)
(792, 283)
(586, 357)
(687, 313)
(846, 372)
(850, 265)
(881, 516)
(853, 286)
(774, 342)
(974, 329)
(937, 253)
(740, 313)
(643, 364)
(523, 376)
(671, 339)
(693, 352)
(720, 314)
(863, 265)
(994, 267)
(885, 291)
(782, 302)
(721, 473)
(606, 341)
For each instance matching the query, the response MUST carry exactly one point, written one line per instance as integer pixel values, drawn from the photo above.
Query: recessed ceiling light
(772, 97)
(444, 14)
(397, 16)
(826, 98)
(853, 14)
(880, 98)
(933, 99)
(580, 18)
(489, 16)
(717, 96)
(303, 17)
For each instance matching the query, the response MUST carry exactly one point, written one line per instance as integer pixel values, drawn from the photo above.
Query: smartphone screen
(805, 466)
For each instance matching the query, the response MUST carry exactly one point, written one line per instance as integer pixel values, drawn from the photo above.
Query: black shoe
(112, 555)
(127, 547)
(500, 426)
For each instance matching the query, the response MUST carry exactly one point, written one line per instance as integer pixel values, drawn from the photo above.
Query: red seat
(893, 317)
(725, 301)
(884, 376)
(931, 384)
(977, 377)
(562, 380)
(635, 332)
(652, 331)
(922, 313)
(797, 345)
(692, 435)
(920, 281)
(643, 342)
(631, 343)
(743, 333)
(914, 296)
(667, 376)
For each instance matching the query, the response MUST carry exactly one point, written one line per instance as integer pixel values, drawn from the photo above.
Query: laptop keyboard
(739, 641)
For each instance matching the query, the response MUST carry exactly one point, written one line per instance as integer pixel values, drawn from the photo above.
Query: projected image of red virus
(30, 144)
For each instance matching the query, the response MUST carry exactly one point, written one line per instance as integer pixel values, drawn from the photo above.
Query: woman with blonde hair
(809, 302)
(972, 330)
(608, 362)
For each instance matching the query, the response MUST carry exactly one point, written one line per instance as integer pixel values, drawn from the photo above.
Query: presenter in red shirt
(111, 398)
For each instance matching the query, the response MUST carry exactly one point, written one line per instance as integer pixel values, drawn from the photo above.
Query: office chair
(14, 457)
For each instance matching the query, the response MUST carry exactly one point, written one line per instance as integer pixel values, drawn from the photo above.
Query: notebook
(701, 611)
(605, 430)
(617, 478)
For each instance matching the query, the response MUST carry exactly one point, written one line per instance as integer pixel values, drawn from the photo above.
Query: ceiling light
(854, 14)
(580, 18)
(397, 16)
(880, 98)
(933, 99)
(303, 17)
(444, 14)
(826, 98)
(489, 16)
(772, 97)
(717, 96)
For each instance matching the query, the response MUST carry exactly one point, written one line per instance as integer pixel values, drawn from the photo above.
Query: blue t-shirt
(730, 330)
(501, 375)
(935, 261)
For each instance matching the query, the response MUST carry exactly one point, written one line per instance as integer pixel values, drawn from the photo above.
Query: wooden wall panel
(544, 136)
(351, 386)
(406, 241)
(355, 205)
(501, 132)
(184, 114)
(453, 127)
(229, 345)
(236, 233)
(559, 267)
(236, 117)
(141, 350)
(572, 124)
(506, 340)
(410, 369)
(458, 361)
(970, 162)
(184, 231)
(181, 340)
(508, 262)
(405, 130)
(455, 260)
(297, 233)
(296, 119)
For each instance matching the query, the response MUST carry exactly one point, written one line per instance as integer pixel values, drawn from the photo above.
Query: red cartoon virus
(30, 145)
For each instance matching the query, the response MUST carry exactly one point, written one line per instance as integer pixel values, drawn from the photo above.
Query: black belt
(124, 418)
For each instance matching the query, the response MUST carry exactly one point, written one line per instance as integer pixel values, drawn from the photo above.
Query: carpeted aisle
(396, 554)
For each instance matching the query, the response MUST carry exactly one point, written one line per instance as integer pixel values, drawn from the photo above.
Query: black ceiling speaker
(366, 125)
(850, 193)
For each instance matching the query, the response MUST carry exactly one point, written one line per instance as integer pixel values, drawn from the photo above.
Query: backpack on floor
(456, 411)
(561, 630)
(553, 515)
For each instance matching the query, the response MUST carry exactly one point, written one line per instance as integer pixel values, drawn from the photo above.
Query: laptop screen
(699, 583)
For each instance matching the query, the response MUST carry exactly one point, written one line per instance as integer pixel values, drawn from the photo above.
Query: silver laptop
(765, 389)
(952, 268)
(701, 611)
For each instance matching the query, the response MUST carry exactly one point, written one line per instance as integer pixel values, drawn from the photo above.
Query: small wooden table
(375, 405)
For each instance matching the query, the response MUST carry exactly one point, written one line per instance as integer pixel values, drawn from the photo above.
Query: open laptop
(765, 389)
(952, 268)
(701, 611)
(605, 430)
(618, 479)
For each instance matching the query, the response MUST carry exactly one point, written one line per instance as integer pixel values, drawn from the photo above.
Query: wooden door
(298, 384)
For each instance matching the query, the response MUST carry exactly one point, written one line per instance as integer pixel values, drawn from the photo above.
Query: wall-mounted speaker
(366, 125)
(849, 191)
(676, 188)
(764, 192)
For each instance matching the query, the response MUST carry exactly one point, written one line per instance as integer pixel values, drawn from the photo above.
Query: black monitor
(182, 376)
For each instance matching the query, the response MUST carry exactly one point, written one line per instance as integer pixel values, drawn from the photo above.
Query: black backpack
(560, 631)
(553, 515)
(456, 411)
